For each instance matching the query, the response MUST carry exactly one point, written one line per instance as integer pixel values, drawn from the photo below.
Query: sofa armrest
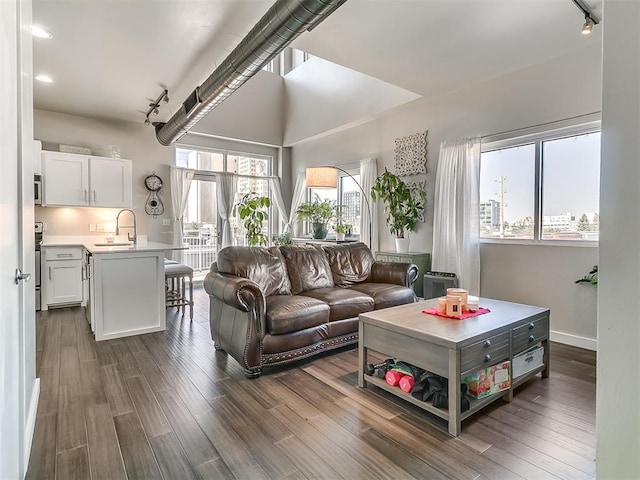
(404, 274)
(237, 292)
(237, 317)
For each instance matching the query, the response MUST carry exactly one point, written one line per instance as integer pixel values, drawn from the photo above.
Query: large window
(346, 198)
(201, 222)
(544, 187)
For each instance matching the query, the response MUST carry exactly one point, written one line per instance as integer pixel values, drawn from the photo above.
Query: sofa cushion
(350, 262)
(286, 314)
(343, 302)
(308, 268)
(262, 265)
(386, 294)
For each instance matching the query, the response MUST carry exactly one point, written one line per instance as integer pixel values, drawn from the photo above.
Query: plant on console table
(252, 210)
(404, 205)
(319, 213)
(340, 226)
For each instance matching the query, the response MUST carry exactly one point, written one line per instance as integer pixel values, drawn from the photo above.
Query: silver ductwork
(282, 24)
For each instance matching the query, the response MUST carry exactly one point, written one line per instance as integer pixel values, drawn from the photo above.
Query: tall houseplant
(404, 205)
(319, 213)
(252, 210)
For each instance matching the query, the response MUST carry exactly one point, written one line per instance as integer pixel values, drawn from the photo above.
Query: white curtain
(226, 187)
(276, 192)
(180, 184)
(456, 224)
(368, 174)
(299, 193)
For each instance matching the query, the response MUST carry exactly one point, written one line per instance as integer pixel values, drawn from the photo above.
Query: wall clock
(154, 205)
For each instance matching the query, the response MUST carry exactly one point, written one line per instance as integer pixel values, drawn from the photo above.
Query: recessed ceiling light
(44, 78)
(38, 31)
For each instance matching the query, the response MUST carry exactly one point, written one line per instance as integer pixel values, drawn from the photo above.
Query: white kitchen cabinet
(62, 276)
(127, 293)
(66, 179)
(88, 181)
(109, 182)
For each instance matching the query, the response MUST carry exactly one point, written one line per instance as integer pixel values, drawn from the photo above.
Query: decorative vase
(402, 245)
(320, 231)
(340, 237)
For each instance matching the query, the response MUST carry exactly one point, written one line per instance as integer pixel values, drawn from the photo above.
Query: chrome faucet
(135, 229)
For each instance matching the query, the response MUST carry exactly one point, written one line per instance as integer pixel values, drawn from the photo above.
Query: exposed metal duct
(282, 24)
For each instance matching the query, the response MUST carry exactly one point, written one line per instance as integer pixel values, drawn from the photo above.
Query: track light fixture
(587, 26)
(154, 106)
(589, 18)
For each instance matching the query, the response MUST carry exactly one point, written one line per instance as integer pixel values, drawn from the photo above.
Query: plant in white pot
(404, 206)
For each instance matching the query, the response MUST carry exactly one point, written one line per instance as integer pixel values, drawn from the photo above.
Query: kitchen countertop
(95, 244)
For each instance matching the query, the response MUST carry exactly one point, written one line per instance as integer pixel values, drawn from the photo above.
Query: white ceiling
(110, 58)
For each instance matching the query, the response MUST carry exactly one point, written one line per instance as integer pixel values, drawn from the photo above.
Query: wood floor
(167, 406)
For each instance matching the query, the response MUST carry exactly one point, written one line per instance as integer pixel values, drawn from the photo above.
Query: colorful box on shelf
(489, 380)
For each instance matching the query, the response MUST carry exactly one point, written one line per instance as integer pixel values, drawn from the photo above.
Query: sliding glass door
(202, 225)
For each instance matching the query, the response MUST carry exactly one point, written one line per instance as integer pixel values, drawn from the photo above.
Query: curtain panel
(226, 195)
(180, 185)
(456, 224)
(299, 194)
(368, 175)
(276, 191)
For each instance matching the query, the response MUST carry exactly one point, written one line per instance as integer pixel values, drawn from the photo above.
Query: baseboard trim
(31, 422)
(574, 340)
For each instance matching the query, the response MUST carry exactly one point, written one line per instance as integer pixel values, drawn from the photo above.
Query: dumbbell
(378, 369)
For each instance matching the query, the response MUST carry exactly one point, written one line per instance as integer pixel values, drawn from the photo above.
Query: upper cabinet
(86, 181)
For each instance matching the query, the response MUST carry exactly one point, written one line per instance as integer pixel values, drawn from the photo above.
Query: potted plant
(252, 210)
(282, 239)
(319, 213)
(340, 228)
(404, 205)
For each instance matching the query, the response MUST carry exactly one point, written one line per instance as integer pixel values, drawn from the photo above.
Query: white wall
(617, 413)
(562, 88)
(254, 114)
(334, 96)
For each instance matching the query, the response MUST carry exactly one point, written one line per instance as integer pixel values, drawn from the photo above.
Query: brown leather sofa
(270, 306)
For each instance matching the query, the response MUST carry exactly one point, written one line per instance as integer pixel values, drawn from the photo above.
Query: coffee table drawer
(485, 352)
(529, 334)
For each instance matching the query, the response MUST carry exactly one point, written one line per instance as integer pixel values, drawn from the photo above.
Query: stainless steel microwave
(37, 189)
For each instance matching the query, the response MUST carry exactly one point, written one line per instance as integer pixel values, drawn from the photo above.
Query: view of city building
(201, 219)
(567, 170)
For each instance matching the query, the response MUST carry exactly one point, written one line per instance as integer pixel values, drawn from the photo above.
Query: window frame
(537, 138)
(339, 192)
(210, 175)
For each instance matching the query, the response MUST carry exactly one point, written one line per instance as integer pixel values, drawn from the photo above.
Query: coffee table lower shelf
(475, 403)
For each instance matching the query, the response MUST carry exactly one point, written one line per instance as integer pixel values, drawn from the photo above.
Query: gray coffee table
(453, 348)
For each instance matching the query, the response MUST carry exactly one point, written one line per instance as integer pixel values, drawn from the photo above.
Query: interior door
(10, 293)
(18, 400)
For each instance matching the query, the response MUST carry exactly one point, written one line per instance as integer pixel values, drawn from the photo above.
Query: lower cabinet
(62, 276)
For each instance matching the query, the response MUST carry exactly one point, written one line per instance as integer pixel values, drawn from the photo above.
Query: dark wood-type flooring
(168, 406)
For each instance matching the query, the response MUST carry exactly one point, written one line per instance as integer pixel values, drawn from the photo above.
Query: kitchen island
(124, 284)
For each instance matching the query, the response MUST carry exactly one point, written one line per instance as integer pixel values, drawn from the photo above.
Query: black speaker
(436, 283)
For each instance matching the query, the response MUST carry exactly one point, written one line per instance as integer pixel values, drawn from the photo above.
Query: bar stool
(175, 275)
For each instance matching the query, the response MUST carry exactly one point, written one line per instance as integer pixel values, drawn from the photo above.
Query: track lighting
(589, 18)
(154, 106)
(587, 26)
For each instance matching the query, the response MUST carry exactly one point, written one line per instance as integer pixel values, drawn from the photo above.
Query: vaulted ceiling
(109, 58)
